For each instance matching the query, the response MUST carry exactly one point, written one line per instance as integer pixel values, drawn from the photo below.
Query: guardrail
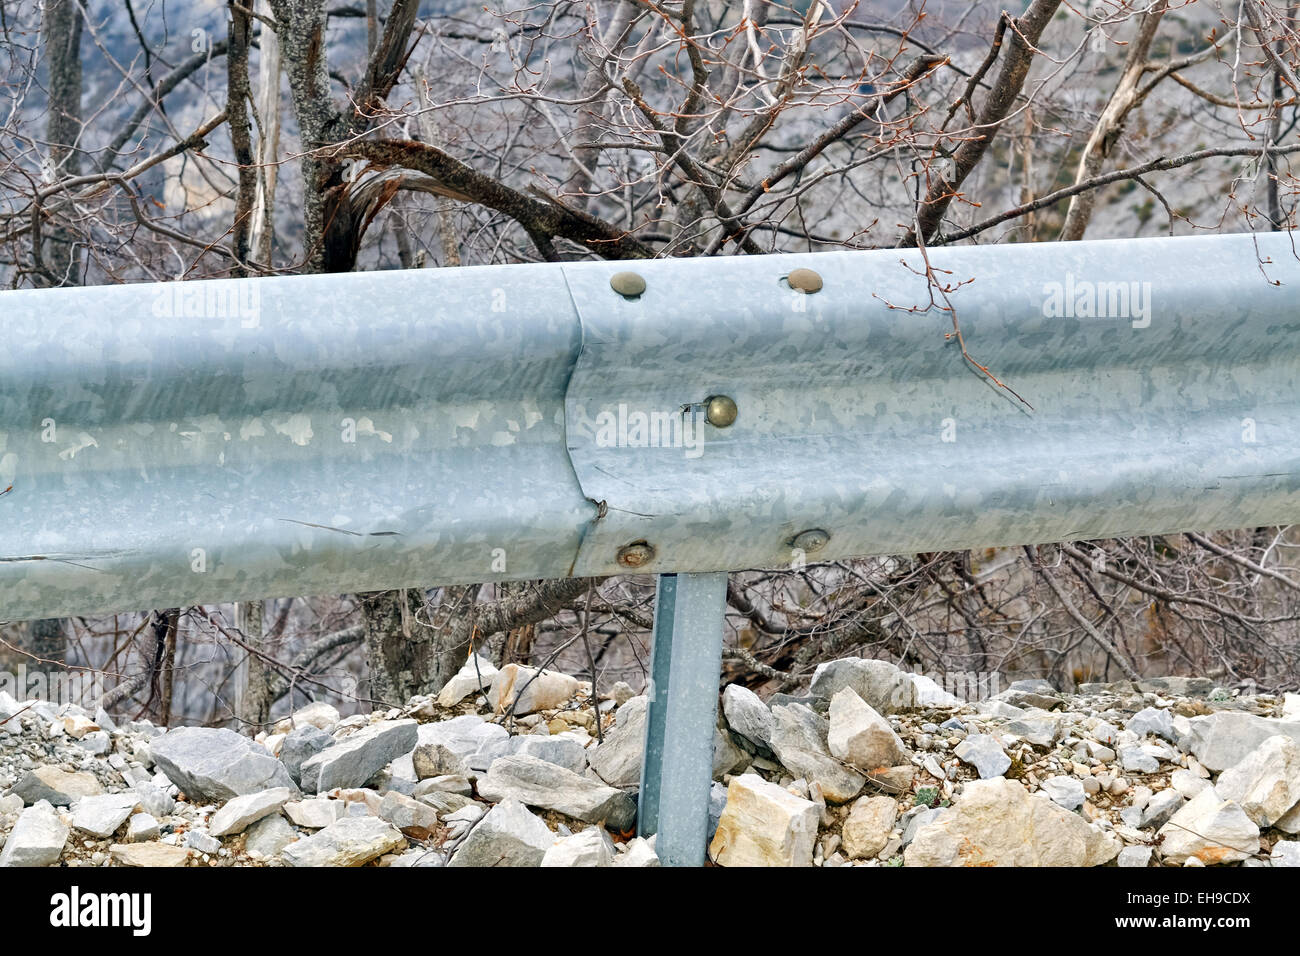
(181, 443)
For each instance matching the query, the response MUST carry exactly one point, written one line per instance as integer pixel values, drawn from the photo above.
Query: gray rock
(1223, 739)
(268, 836)
(1160, 808)
(799, 742)
(302, 744)
(56, 787)
(404, 812)
(241, 812)
(748, 716)
(562, 751)
(1064, 791)
(37, 839)
(617, 759)
(1286, 853)
(100, 816)
(448, 783)
(474, 677)
(212, 764)
(882, 685)
(1033, 686)
(1136, 760)
(352, 841)
(463, 736)
(860, 736)
(437, 760)
(1153, 720)
(141, 828)
(203, 842)
(1037, 727)
(1177, 686)
(551, 787)
(591, 847)
(1134, 856)
(154, 800)
(920, 819)
(509, 835)
(315, 814)
(638, 852)
(717, 803)
(985, 754)
(1266, 782)
(1210, 830)
(356, 758)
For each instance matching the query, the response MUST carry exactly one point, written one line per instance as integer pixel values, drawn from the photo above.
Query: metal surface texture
(181, 443)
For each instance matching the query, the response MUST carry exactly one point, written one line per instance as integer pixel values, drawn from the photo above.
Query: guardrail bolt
(814, 539)
(627, 284)
(805, 281)
(635, 555)
(720, 411)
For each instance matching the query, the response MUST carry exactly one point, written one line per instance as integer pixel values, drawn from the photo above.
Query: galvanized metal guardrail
(180, 443)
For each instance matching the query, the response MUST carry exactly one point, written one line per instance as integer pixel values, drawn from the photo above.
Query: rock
(563, 751)
(1286, 853)
(1027, 699)
(868, 826)
(37, 839)
(621, 693)
(405, 812)
(475, 677)
(436, 760)
(1136, 760)
(153, 799)
(860, 736)
(1177, 686)
(355, 759)
(985, 754)
(317, 714)
(1105, 732)
(617, 760)
(509, 835)
(300, 745)
(997, 822)
(148, 854)
(929, 694)
(268, 836)
(1153, 720)
(142, 827)
(1210, 829)
(237, 815)
(203, 842)
(764, 825)
(56, 787)
(448, 783)
(799, 742)
(637, 852)
(921, 819)
(211, 764)
(315, 814)
(1036, 726)
(591, 847)
(541, 784)
(100, 816)
(748, 716)
(1187, 783)
(352, 841)
(1132, 856)
(1222, 739)
(1160, 808)
(882, 685)
(1266, 782)
(527, 690)
(1064, 791)
(464, 736)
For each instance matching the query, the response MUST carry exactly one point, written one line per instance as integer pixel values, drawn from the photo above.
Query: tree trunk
(254, 705)
(57, 261)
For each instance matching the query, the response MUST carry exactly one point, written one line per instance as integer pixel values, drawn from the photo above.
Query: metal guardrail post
(677, 769)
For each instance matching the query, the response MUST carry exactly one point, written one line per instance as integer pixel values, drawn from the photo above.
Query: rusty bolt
(810, 541)
(636, 554)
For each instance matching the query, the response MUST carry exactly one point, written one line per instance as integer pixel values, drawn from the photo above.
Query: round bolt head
(635, 555)
(720, 411)
(805, 281)
(627, 284)
(814, 539)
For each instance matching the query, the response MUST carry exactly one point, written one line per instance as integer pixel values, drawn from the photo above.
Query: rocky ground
(873, 767)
